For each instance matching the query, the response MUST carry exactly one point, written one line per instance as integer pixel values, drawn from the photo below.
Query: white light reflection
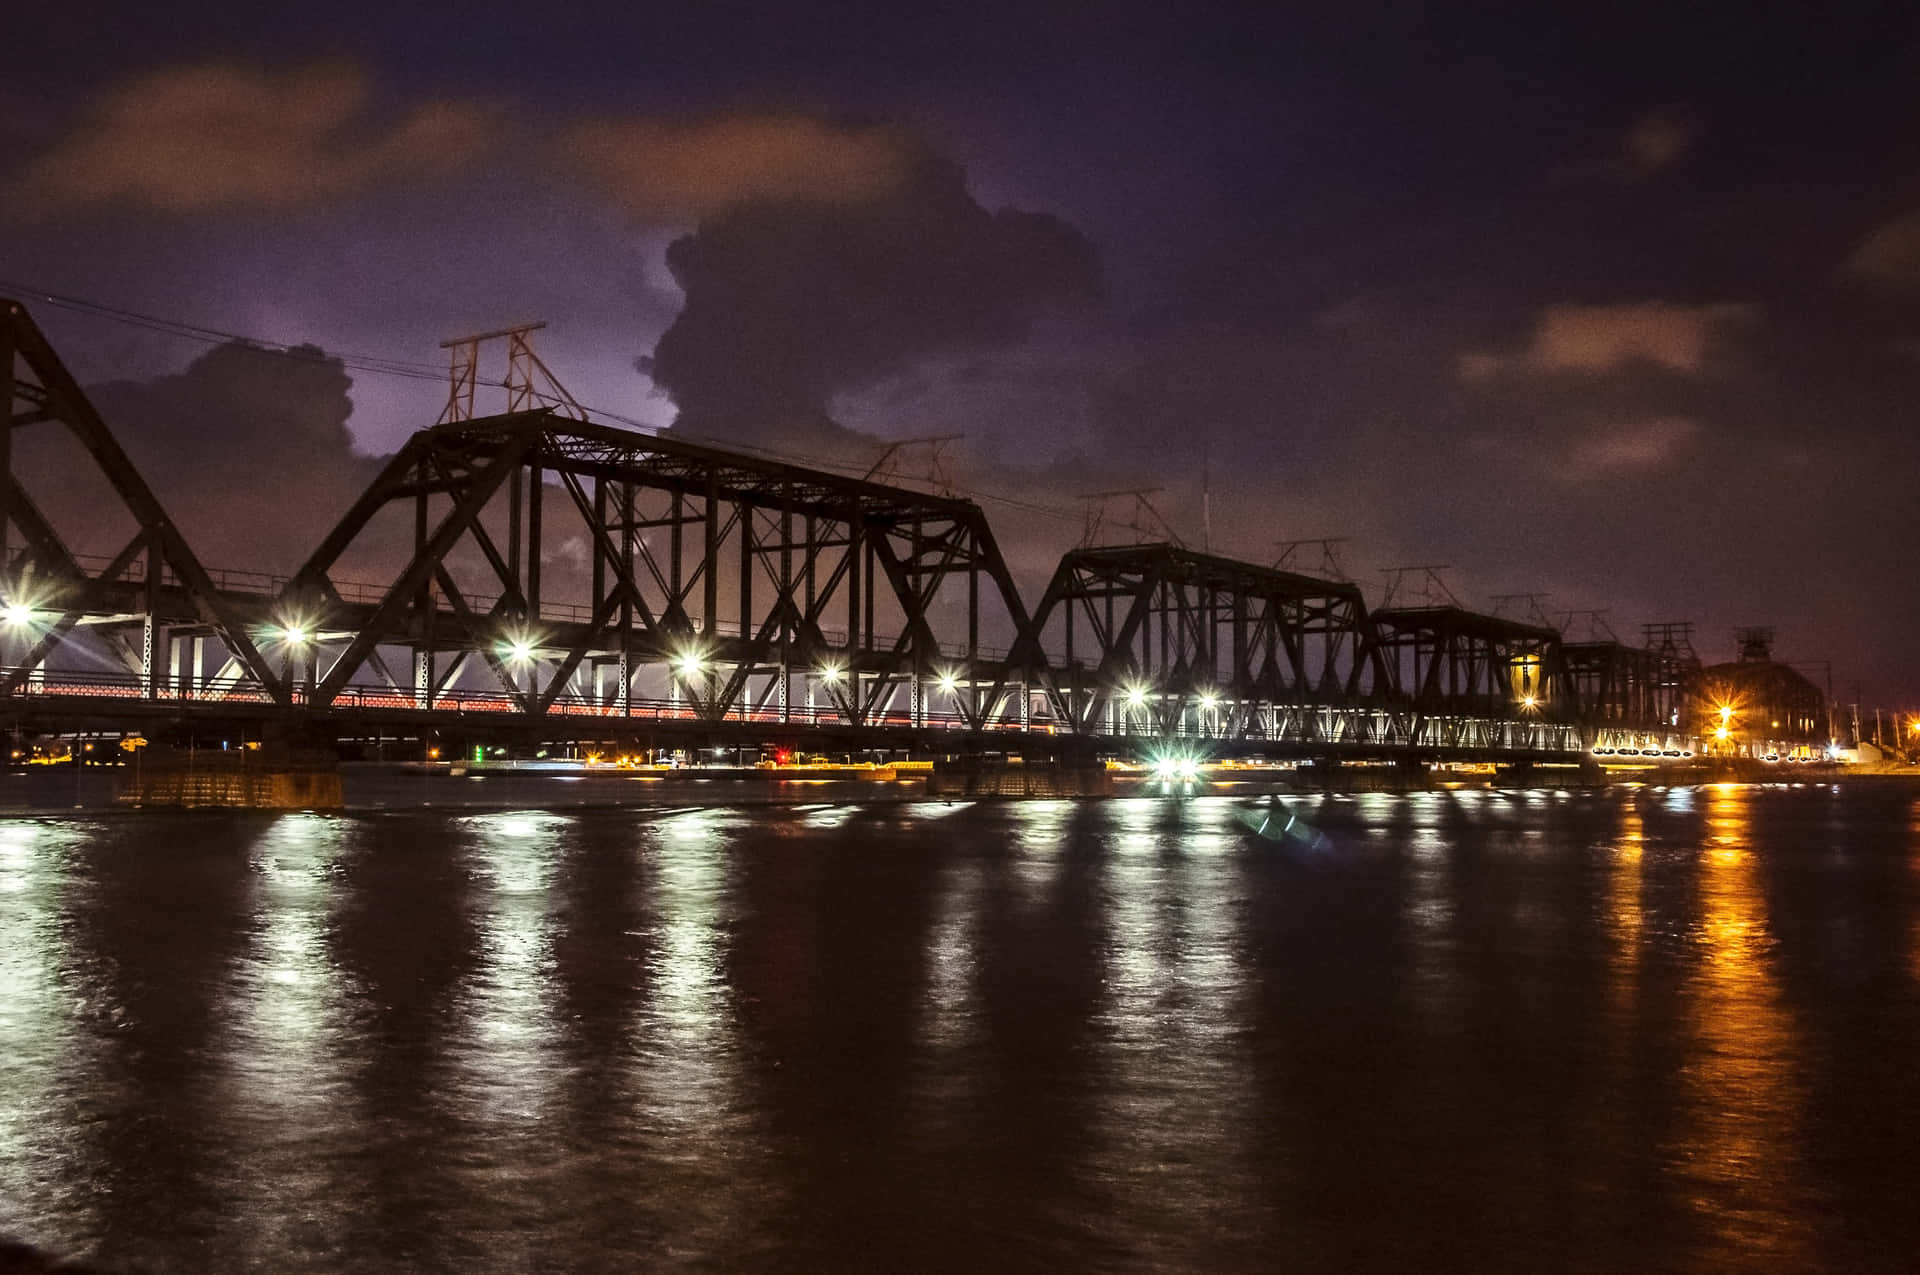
(1436, 985)
(952, 1021)
(689, 1046)
(288, 1016)
(1040, 833)
(1171, 1018)
(44, 1041)
(510, 1011)
(933, 809)
(828, 817)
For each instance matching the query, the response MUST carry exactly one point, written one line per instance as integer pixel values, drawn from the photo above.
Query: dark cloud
(791, 303)
(247, 450)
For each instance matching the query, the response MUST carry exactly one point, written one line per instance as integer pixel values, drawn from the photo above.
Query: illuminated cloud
(1891, 252)
(1658, 140)
(223, 444)
(1604, 338)
(689, 169)
(791, 303)
(216, 137)
(1621, 450)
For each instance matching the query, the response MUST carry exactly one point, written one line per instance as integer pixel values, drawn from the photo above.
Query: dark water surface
(1627, 1030)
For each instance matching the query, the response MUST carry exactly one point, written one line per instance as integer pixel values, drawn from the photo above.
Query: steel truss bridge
(536, 576)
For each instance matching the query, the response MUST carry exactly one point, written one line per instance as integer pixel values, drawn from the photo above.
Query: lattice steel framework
(1619, 687)
(1477, 680)
(722, 586)
(1161, 640)
(146, 597)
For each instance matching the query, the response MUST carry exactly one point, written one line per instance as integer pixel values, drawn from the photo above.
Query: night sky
(1623, 309)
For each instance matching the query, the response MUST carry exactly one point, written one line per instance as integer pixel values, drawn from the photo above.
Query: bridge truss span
(561, 578)
(584, 564)
(1158, 639)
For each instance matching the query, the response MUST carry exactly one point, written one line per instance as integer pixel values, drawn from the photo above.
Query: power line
(385, 366)
(215, 336)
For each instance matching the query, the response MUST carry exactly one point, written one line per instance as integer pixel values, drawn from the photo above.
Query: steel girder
(1161, 640)
(736, 582)
(1465, 673)
(153, 587)
(1620, 688)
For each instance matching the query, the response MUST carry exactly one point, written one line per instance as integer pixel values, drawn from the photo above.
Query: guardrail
(267, 585)
(462, 702)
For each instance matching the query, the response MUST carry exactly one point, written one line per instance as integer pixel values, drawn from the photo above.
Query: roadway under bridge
(538, 577)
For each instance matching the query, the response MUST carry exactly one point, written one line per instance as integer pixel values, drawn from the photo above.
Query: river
(1628, 1029)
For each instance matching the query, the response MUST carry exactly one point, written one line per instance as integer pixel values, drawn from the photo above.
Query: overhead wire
(383, 365)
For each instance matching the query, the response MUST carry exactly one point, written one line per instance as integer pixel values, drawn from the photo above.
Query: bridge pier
(296, 767)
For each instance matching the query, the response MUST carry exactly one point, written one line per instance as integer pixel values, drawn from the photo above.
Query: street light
(18, 614)
(830, 673)
(689, 663)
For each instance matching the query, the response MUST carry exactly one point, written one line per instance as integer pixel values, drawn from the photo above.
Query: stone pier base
(244, 780)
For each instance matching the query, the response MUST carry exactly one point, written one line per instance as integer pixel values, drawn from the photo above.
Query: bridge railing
(1309, 727)
(268, 585)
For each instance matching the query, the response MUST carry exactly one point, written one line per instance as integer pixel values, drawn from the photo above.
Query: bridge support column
(423, 679)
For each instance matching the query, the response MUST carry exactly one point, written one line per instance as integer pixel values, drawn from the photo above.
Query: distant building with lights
(1757, 706)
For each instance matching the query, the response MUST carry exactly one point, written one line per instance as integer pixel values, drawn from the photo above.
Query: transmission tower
(1140, 517)
(529, 383)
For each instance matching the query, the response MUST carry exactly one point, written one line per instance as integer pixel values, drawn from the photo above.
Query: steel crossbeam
(553, 570)
(1156, 638)
(726, 582)
(154, 584)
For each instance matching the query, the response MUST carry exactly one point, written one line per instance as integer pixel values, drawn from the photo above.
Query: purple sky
(1623, 310)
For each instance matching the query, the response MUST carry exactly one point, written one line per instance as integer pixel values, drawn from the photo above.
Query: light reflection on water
(1451, 1030)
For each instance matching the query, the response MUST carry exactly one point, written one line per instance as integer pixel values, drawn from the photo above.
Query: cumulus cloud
(1602, 338)
(681, 169)
(248, 450)
(1658, 140)
(791, 302)
(1620, 450)
(1890, 252)
(212, 137)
